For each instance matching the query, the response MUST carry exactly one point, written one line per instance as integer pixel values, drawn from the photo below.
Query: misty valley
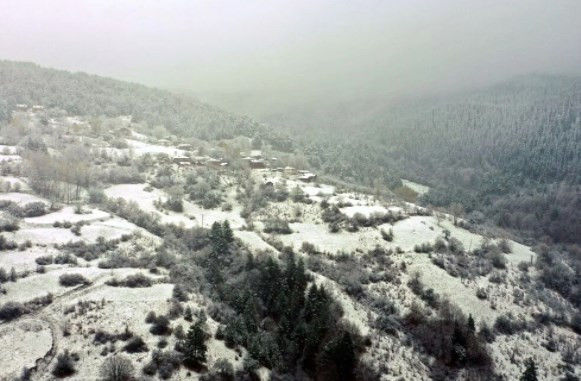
(299, 196)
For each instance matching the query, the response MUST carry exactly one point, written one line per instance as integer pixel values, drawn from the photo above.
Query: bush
(69, 280)
(277, 225)
(136, 345)
(160, 326)
(497, 259)
(6, 244)
(8, 226)
(12, 310)
(387, 235)
(44, 260)
(506, 325)
(66, 258)
(97, 196)
(34, 209)
(132, 281)
(64, 366)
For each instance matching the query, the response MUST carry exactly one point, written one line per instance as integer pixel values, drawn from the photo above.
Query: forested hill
(84, 94)
(512, 151)
(529, 127)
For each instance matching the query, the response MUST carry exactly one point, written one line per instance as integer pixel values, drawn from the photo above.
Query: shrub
(132, 281)
(387, 235)
(309, 248)
(506, 325)
(35, 209)
(12, 310)
(160, 326)
(136, 345)
(277, 225)
(65, 258)
(64, 366)
(505, 246)
(6, 244)
(8, 226)
(481, 293)
(497, 259)
(97, 196)
(44, 260)
(150, 318)
(69, 280)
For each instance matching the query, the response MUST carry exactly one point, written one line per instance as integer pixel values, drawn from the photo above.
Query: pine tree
(13, 275)
(194, 347)
(217, 238)
(188, 314)
(530, 373)
(227, 233)
(471, 325)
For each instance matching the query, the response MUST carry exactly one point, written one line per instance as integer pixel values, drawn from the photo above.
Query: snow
(10, 158)
(253, 241)
(15, 180)
(36, 285)
(22, 198)
(350, 211)
(141, 148)
(23, 344)
(11, 150)
(193, 214)
(68, 214)
(446, 285)
(319, 235)
(418, 188)
(413, 230)
(24, 260)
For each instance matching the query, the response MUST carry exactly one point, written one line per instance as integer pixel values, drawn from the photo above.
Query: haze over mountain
(258, 57)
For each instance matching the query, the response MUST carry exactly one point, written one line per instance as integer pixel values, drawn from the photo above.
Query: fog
(257, 56)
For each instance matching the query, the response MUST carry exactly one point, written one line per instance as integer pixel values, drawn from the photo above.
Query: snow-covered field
(24, 260)
(68, 214)
(22, 198)
(15, 180)
(141, 148)
(193, 214)
(22, 344)
(418, 188)
(36, 285)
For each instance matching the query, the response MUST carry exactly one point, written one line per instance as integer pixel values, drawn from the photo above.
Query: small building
(22, 107)
(256, 154)
(290, 171)
(37, 108)
(308, 177)
(216, 163)
(257, 164)
(185, 147)
(181, 160)
(164, 142)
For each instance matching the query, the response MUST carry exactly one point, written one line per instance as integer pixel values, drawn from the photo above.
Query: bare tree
(117, 368)
(457, 211)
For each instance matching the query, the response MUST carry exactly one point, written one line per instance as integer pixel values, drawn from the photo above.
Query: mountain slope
(84, 94)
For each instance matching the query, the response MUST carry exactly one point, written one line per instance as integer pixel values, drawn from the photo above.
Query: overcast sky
(297, 50)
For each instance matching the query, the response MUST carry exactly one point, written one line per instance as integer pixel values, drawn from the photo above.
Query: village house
(255, 154)
(308, 177)
(37, 108)
(22, 107)
(290, 171)
(181, 160)
(185, 147)
(257, 164)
